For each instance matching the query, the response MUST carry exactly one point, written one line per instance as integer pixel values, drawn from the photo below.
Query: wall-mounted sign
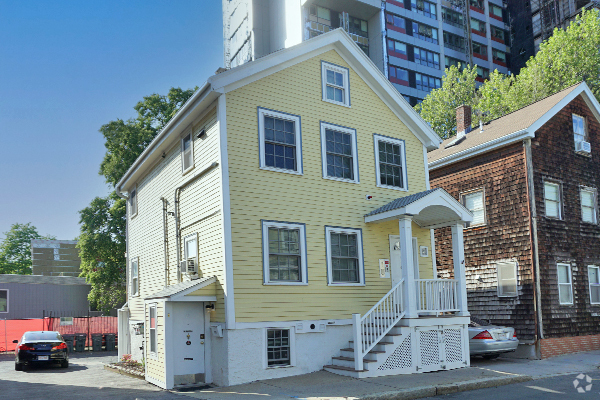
(424, 250)
(384, 268)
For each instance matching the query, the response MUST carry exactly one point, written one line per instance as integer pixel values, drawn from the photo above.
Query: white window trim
(361, 268)
(152, 354)
(133, 202)
(585, 133)
(265, 243)
(462, 201)
(187, 238)
(516, 293)
(189, 132)
(7, 301)
(380, 138)
(351, 132)
(342, 70)
(560, 200)
(570, 284)
(262, 112)
(594, 192)
(292, 348)
(135, 260)
(590, 283)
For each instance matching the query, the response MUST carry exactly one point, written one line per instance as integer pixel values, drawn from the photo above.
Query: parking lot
(85, 378)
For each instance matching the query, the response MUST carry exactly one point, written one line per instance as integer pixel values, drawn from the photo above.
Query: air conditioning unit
(583, 147)
(189, 266)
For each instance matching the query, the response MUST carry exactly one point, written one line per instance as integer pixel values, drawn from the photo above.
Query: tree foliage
(15, 249)
(568, 57)
(102, 243)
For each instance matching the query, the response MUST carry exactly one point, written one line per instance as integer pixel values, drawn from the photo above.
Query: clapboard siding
(258, 194)
(196, 203)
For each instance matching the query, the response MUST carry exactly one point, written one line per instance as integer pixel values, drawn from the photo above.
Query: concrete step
(347, 362)
(343, 370)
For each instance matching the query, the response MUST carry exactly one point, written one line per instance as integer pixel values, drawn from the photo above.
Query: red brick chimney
(463, 120)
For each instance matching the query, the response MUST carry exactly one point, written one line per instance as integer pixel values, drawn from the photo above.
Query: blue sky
(67, 68)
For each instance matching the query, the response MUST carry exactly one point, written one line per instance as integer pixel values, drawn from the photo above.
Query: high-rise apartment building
(410, 41)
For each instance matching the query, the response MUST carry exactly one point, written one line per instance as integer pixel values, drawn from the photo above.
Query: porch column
(408, 272)
(458, 255)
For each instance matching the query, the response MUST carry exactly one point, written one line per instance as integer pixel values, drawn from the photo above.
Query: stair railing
(376, 323)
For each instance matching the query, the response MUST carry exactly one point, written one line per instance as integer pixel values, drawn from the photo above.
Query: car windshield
(41, 336)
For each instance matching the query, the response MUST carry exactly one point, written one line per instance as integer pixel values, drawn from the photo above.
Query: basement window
(278, 347)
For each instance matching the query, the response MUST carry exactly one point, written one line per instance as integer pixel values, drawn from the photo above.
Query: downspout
(176, 214)
(537, 303)
(165, 239)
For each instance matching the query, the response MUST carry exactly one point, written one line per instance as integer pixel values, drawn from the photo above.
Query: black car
(41, 347)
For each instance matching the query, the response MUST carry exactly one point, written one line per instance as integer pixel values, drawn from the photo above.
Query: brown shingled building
(532, 253)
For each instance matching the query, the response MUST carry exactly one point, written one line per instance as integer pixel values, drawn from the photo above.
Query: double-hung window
(187, 151)
(552, 200)
(278, 347)
(339, 153)
(390, 163)
(344, 256)
(475, 202)
(284, 253)
(135, 280)
(336, 84)
(133, 207)
(594, 283)
(152, 330)
(579, 128)
(589, 205)
(565, 284)
(507, 279)
(280, 141)
(4, 301)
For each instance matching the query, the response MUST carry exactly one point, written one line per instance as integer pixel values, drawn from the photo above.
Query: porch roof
(178, 291)
(433, 208)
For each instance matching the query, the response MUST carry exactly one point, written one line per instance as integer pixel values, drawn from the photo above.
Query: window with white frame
(390, 163)
(589, 205)
(135, 281)
(336, 84)
(579, 128)
(344, 256)
(552, 200)
(594, 283)
(280, 141)
(190, 249)
(278, 347)
(133, 202)
(284, 253)
(565, 284)
(152, 328)
(507, 279)
(4, 301)
(338, 151)
(187, 151)
(475, 202)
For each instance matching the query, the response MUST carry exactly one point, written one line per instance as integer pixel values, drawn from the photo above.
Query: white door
(188, 348)
(395, 266)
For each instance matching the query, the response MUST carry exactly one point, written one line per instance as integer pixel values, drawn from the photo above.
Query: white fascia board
(337, 40)
(182, 119)
(482, 148)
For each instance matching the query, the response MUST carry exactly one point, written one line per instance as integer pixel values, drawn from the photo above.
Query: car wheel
(64, 364)
(18, 367)
(491, 356)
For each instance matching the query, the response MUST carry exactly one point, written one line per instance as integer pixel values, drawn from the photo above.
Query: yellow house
(282, 223)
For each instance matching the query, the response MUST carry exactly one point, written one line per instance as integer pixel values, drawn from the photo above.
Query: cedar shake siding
(568, 240)
(506, 235)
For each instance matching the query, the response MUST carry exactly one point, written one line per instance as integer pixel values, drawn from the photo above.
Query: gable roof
(510, 128)
(401, 202)
(244, 74)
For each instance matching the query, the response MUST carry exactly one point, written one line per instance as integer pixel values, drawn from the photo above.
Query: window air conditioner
(189, 266)
(583, 147)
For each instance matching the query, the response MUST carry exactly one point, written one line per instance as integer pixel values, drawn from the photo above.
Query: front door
(395, 266)
(189, 337)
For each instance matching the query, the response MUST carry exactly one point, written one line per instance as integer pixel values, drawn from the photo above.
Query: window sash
(152, 330)
(187, 152)
(565, 284)
(278, 347)
(134, 278)
(391, 165)
(507, 279)
(335, 82)
(338, 153)
(579, 128)
(133, 202)
(589, 211)
(552, 200)
(280, 141)
(594, 284)
(475, 202)
(344, 256)
(4, 301)
(284, 253)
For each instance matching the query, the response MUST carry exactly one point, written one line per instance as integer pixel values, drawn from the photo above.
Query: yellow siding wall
(156, 368)
(258, 194)
(198, 200)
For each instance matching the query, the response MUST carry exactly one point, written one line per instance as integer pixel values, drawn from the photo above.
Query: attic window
(336, 84)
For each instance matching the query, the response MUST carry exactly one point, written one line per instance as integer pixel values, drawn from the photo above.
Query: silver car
(490, 341)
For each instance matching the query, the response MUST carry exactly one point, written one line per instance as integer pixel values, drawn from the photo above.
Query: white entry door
(189, 338)
(395, 266)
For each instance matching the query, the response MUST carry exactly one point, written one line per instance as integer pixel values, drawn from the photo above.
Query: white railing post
(458, 255)
(357, 334)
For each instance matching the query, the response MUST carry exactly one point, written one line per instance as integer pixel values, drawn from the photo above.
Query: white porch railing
(376, 323)
(437, 295)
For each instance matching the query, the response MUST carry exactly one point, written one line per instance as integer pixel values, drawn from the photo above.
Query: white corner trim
(427, 185)
(226, 207)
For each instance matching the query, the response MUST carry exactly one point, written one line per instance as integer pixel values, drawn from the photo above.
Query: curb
(122, 372)
(430, 391)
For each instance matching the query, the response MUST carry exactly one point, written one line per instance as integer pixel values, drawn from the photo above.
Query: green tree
(102, 224)
(15, 249)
